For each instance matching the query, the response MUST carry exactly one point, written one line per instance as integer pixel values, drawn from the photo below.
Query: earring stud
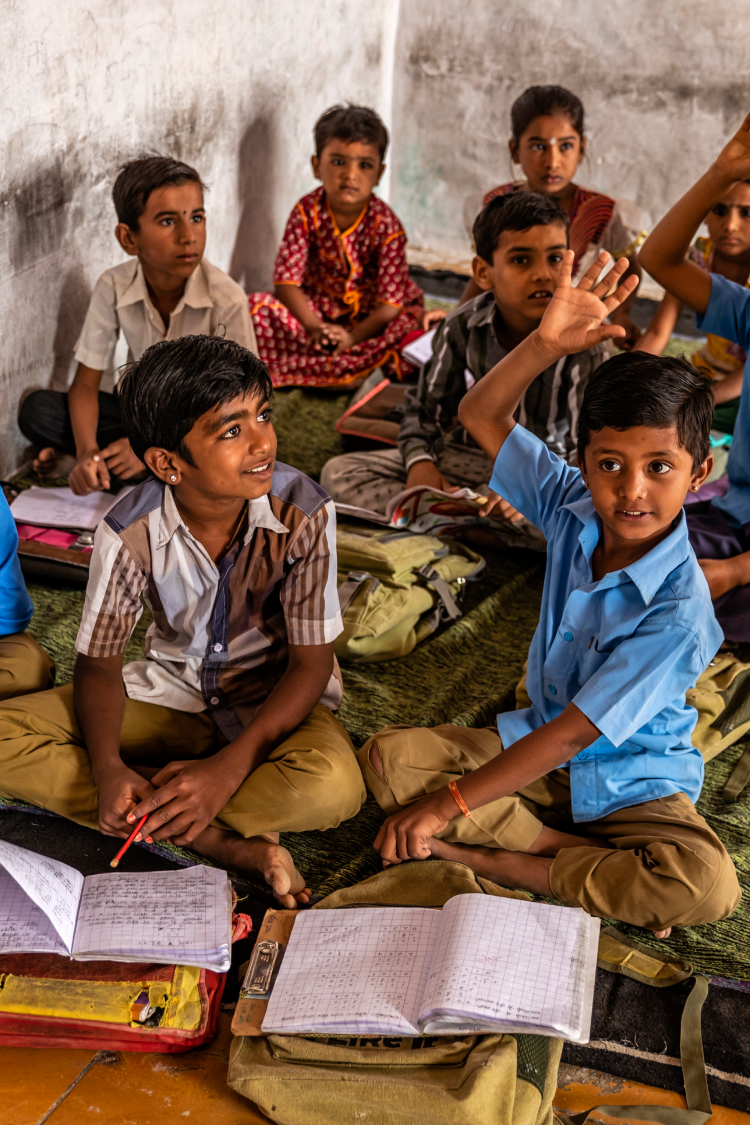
(173, 477)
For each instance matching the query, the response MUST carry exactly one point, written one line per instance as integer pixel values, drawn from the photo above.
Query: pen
(129, 841)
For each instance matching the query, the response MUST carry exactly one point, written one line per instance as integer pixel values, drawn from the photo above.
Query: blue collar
(649, 573)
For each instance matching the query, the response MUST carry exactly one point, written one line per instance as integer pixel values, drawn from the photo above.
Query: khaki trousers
(24, 666)
(309, 781)
(664, 867)
(370, 479)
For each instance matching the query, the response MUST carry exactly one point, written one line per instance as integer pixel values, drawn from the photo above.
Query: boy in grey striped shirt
(520, 240)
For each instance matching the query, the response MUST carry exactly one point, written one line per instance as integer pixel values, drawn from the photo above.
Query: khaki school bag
(441, 1080)
(430, 1080)
(396, 588)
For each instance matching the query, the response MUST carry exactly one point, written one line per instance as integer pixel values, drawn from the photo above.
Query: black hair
(351, 124)
(638, 389)
(518, 210)
(545, 101)
(139, 178)
(164, 393)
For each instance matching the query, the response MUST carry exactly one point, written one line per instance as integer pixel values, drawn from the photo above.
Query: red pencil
(129, 841)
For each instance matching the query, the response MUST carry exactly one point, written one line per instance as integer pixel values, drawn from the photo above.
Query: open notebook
(60, 507)
(173, 917)
(479, 964)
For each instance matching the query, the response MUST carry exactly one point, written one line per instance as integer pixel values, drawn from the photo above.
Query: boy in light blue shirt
(587, 795)
(719, 528)
(24, 666)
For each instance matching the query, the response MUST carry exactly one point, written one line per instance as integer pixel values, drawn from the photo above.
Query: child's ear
(315, 161)
(380, 174)
(513, 149)
(583, 150)
(700, 475)
(124, 236)
(481, 272)
(163, 465)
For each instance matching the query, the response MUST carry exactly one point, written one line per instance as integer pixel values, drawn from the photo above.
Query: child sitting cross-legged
(520, 241)
(165, 289)
(343, 299)
(225, 734)
(588, 795)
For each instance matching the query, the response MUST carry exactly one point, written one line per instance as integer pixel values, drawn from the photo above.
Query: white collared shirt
(211, 303)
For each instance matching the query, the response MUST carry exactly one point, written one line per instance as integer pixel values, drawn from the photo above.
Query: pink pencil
(129, 841)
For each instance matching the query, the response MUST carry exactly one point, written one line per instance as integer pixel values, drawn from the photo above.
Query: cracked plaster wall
(663, 85)
(233, 88)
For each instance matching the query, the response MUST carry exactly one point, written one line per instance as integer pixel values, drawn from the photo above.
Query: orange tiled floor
(139, 1089)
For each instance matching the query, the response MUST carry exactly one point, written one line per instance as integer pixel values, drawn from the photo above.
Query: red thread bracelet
(459, 799)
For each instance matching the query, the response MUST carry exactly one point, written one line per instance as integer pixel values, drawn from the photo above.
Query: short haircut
(519, 210)
(351, 124)
(545, 101)
(139, 178)
(638, 389)
(165, 392)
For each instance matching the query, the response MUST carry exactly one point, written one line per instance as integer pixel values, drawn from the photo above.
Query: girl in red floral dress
(343, 299)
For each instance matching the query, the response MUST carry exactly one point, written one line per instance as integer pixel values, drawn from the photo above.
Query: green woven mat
(464, 675)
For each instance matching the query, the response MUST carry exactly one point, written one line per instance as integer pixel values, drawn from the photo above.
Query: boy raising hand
(719, 528)
(588, 794)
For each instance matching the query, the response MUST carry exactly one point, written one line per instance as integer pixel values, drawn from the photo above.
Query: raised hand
(574, 318)
(733, 162)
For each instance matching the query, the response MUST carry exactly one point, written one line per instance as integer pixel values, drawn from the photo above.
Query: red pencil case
(50, 1001)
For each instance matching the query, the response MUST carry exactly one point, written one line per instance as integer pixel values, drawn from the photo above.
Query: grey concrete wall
(232, 87)
(663, 84)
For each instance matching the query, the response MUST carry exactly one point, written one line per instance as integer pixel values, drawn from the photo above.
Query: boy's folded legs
(310, 780)
(44, 420)
(24, 666)
(665, 866)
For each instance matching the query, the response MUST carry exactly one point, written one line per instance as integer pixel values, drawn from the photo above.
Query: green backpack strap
(693, 1074)
(738, 778)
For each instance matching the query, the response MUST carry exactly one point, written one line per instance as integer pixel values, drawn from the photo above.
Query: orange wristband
(459, 799)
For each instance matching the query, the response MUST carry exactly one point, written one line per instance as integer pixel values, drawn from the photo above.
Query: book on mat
(60, 507)
(423, 509)
(481, 964)
(172, 917)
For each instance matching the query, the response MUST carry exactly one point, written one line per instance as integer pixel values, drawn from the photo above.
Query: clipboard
(262, 969)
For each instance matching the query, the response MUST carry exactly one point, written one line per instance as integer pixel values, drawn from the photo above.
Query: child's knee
(712, 890)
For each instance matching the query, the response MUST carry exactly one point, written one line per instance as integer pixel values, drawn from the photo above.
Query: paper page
(178, 917)
(52, 885)
(419, 351)
(355, 971)
(24, 927)
(510, 961)
(60, 507)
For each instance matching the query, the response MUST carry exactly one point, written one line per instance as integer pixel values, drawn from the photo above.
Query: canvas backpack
(396, 587)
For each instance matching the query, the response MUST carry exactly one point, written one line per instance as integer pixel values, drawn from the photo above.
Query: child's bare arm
(573, 322)
(656, 337)
(188, 795)
(377, 322)
(405, 835)
(663, 252)
(99, 699)
(83, 402)
(728, 388)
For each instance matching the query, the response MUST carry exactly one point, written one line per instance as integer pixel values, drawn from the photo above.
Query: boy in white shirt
(166, 290)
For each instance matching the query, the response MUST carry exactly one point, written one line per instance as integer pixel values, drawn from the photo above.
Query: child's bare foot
(50, 463)
(507, 869)
(256, 855)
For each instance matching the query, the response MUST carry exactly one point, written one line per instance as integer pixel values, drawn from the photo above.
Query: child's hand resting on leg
(120, 790)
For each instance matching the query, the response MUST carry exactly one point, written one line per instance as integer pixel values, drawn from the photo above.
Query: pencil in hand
(129, 841)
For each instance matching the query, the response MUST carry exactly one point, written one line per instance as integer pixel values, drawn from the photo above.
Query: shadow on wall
(75, 294)
(255, 245)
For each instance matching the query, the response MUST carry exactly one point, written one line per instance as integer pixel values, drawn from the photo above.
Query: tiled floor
(136, 1089)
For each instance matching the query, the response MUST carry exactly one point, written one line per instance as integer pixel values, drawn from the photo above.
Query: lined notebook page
(52, 885)
(179, 917)
(509, 960)
(24, 927)
(354, 971)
